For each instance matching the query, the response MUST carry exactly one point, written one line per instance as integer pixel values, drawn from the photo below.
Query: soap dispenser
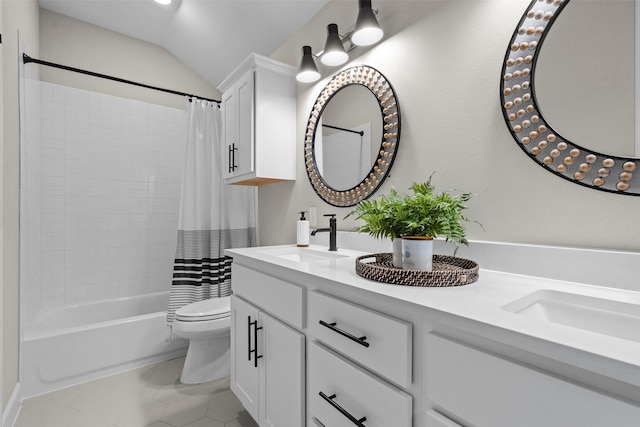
(303, 230)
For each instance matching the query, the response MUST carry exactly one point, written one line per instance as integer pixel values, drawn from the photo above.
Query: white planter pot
(397, 252)
(417, 253)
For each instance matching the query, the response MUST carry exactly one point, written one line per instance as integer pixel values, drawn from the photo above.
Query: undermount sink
(299, 254)
(614, 318)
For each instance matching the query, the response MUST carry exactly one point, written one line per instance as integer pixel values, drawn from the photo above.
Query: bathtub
(77, 343)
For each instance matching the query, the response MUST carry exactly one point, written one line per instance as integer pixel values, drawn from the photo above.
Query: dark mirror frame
(534, 135)
(382, 90)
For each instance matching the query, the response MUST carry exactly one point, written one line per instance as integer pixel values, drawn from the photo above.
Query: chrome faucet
(333, 232)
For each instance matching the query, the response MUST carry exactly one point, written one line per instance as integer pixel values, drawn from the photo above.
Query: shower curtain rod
(27, 59)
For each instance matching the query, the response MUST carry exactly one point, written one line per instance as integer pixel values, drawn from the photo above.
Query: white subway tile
(111, 188)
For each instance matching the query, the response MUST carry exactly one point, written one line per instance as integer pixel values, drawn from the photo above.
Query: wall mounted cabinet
(258, 122)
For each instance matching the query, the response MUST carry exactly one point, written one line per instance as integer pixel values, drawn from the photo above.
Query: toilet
(206, 324)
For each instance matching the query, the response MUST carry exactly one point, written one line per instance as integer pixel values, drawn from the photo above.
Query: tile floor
(151, 396)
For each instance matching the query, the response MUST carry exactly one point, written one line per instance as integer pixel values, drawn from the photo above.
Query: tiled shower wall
(101, 189)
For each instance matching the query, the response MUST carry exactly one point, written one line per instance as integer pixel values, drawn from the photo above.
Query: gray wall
(79, 44)
(444, 60)
(18, 17)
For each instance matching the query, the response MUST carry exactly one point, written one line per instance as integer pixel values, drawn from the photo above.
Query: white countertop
(482, 302)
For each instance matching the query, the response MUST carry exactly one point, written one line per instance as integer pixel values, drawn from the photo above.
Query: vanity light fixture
(163, 2)
(308, 72)
(334, 53)
(366, 32)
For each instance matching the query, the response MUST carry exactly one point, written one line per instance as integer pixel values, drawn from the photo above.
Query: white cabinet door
(229, 129)
(238, 127)
(267, 366)
(244, 155)
(282, 374)
(245, 379)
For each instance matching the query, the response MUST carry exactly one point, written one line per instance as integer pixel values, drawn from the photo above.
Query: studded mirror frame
(531, 130)
(373, 80)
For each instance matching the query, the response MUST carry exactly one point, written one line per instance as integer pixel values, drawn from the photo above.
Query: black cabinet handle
(233, 157)
(256, 328)
(249, 336)
(343, 411)
(362, 340)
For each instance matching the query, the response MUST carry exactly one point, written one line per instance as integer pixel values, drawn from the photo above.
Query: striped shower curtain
(213, 216)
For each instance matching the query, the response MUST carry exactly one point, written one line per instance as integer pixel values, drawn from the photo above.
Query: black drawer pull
(343, 411)
(362, 340)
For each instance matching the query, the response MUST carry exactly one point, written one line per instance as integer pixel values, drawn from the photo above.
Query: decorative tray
(447, 271)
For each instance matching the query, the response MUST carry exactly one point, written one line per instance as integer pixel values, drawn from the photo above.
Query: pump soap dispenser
(303, 231)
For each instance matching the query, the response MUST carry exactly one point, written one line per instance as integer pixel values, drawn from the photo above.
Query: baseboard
(10, 414)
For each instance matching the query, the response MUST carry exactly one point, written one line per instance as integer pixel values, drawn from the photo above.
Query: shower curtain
(213, 216)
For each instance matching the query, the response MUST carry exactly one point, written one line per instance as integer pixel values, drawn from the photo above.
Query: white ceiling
(210, 36)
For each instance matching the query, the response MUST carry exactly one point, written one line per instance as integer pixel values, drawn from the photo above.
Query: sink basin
(303, 254)
(603, 316)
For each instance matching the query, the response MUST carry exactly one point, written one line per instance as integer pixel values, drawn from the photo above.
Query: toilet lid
(210, 309)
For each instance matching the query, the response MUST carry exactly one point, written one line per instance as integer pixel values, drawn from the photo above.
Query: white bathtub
(77, 343)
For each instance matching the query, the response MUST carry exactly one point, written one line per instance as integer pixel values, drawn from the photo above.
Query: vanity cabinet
(258, 122)
(354, 352)
(267, 351)
(477, 387)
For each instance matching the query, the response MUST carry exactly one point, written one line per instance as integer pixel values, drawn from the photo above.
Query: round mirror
(570, 151)
(596, 37)
(351, 132)
(352, 136)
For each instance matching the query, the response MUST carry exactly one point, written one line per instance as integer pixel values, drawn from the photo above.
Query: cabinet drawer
(349, 388)
(483, 389)
(386, 348)
(282, 299)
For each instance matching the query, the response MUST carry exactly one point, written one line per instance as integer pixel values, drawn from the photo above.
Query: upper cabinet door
(245, 117)
(229, 131)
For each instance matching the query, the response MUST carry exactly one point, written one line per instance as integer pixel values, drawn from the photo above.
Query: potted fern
(384, 218)
(419, 217)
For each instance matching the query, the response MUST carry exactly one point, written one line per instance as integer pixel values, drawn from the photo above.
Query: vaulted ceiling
(210, 36)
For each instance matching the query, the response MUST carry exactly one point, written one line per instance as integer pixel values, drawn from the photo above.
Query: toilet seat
(201, 311)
